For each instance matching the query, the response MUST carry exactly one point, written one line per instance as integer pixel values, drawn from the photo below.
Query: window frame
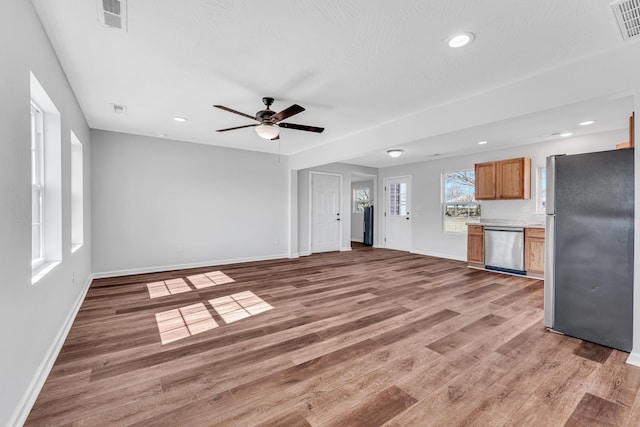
(77, 193)
(51, 184)
(541, 192)
(443, 206)
(360, 204)
(37, 186)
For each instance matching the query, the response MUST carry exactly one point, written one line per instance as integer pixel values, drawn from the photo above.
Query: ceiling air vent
(119, 109)
(112, 13)
(627, 13)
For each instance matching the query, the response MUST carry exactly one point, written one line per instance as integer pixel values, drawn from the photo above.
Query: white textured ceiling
(353, 64)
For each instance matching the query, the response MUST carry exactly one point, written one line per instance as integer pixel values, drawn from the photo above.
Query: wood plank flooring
(362, 338)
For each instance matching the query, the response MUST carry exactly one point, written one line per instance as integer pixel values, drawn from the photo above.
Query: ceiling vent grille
(112, 13)
(119, 109)
(627, 13)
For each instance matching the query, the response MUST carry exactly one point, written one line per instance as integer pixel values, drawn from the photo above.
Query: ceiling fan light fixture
(395, 152)
(268, 130)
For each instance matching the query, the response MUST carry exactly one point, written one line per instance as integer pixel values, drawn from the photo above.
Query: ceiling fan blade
(237, 127)
(222, 107)
(301, 127)
(286, 113)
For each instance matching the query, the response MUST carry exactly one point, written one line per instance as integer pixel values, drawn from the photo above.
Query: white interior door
(325, 212)
(397, 215)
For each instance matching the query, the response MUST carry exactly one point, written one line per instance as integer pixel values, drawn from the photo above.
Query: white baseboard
(634, 359)
(161, 268)
(29, 399)
(357, 240)
(304, 253)
(439, 255)
(345, 249)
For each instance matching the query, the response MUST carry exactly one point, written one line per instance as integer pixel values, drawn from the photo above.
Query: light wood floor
(368, 337)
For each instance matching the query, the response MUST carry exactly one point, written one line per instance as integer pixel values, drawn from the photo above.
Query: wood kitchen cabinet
(485, 181)
(534, 252)
(503, 179)
(475, 246)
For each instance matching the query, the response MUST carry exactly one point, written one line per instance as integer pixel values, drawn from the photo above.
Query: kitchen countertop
(507, 223)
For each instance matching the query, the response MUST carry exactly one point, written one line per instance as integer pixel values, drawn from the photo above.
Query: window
(37, 188)
(77, 196)
(459, 203)
(398, 199)
(541, 196)
(46, 183)
(360, 199)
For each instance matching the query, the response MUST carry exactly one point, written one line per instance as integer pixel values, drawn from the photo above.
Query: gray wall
(427, 235)
(34, 318)
(161, 204)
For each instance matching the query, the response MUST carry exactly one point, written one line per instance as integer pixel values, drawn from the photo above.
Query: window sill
(40, 271)
(455, 233)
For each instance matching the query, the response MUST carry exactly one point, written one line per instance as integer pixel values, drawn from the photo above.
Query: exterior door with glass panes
(397, 215)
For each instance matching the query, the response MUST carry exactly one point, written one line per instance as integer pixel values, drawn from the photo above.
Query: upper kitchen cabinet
(503, 179)
(485, 181)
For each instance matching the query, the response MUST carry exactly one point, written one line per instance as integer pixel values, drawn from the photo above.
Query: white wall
(33, 318)
(357, 218)
(427, 235)
(161, 204)
(343, 169)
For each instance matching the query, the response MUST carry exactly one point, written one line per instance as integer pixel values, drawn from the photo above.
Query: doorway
(363, 189)
(397, 214)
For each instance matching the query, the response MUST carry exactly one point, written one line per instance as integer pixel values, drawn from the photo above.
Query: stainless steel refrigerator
(588, 282)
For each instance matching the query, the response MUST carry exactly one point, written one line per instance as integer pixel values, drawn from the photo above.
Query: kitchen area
(582, 245)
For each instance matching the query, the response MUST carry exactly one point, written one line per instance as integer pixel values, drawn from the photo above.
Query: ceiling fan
(270, 122)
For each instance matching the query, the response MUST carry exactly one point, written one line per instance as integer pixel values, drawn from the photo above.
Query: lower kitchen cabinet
(475, 246)
(534, 252)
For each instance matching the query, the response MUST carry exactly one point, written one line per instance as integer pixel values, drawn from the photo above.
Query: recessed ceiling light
(459, 40)
(396, 152)
(180, 119)
(482, 142)
(587, 122)
(566, 134)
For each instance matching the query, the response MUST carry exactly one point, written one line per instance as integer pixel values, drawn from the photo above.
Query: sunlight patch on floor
(183, 322)
(167, 287)
(209, 279)
(239, 306)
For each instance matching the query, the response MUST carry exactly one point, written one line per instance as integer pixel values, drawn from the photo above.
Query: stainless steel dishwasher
(504, 249)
